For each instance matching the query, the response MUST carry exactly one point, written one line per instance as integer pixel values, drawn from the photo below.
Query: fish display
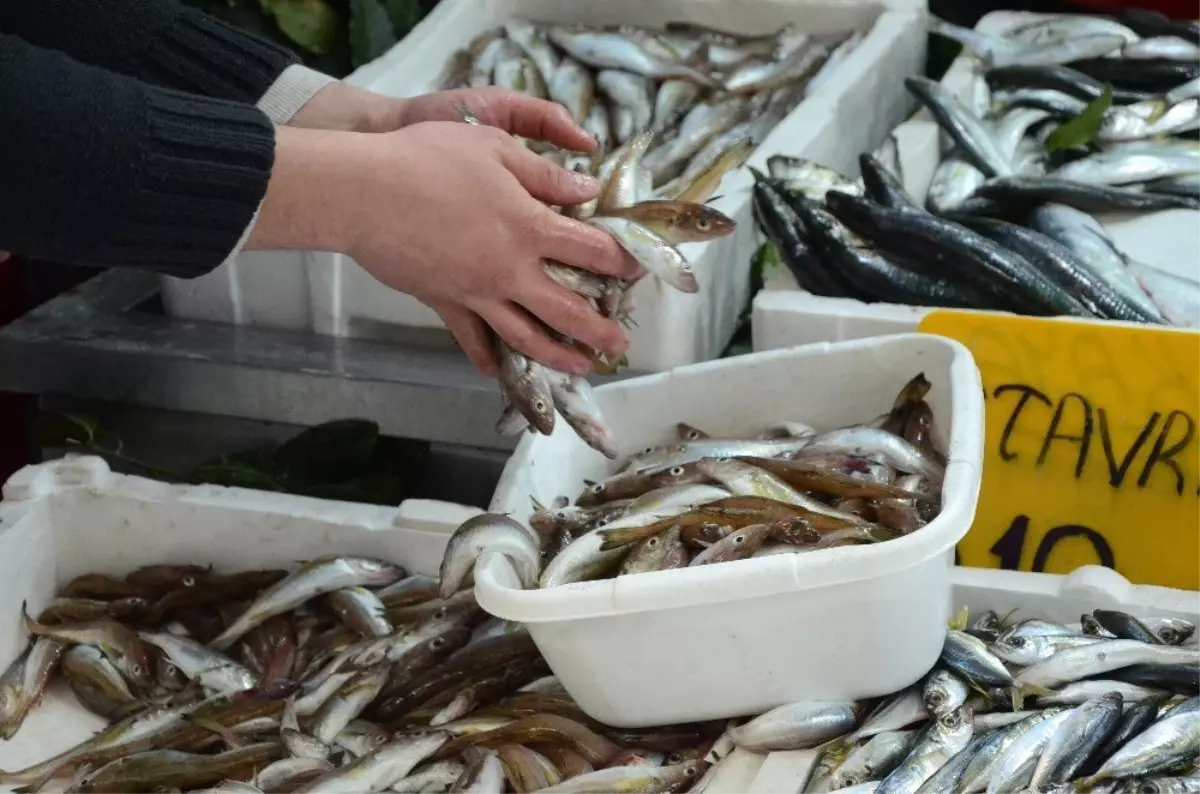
(703, 500)
(672, 111)
(347, 674)
(366, 678)
(1066, 117)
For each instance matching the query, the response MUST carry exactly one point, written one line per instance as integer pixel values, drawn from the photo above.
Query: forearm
(100, 169)
(157, 41)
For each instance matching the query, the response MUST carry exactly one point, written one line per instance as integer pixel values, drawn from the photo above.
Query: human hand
(339, 106)
(511, 111)
(455, 215)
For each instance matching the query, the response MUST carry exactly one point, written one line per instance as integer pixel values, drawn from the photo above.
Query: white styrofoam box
(785, 315)
(330, 294)
(609, 640)
(1050, 596)
(74, 515)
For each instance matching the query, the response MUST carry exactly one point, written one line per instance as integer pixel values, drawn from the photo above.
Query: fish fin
(711, 199)
(1004, 621)
(588, 483)
(701, 59)
(958, 621)
(759, 176)
(31, 625)
(536, 504)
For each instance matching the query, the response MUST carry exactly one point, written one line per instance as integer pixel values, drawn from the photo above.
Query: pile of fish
(705, 500)
(346, 675)
(700, 91)
(672, 111)
(1007, 223)
(1032, 705)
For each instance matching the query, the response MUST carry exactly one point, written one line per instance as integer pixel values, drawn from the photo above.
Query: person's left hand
(511, 111)
(344, 107)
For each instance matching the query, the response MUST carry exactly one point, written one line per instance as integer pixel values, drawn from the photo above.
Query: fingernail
(585, 181)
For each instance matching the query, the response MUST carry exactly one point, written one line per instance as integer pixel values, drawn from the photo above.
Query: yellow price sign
(1091, 452)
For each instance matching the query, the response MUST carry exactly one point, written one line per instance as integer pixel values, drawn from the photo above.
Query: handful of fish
(703, 500)
(345, 675)
(673, 111)
(1007, 222)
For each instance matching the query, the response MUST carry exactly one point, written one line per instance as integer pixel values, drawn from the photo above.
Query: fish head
(955, 725)
(700, 222)
(676, 475)
(718, 468)
(1019, 649)
(168, 675)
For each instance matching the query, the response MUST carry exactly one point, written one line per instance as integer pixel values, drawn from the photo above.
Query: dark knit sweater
(128, 133)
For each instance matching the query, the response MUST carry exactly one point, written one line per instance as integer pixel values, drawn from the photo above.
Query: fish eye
(136, 669)
(952, 720)
(691, 769)
(652, 542)
(676, 471)
(437, 643)
(597, 488)
(849, 780)
(647, 450)
(602, 522)
(539, 405)
(189, 581)
(703, 224)
(441, 613)
(739, 539)
(674, 758)
(1018, 642)
(935, 697)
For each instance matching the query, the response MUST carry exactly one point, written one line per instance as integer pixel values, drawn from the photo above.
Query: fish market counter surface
(96, 342)
(89, 534)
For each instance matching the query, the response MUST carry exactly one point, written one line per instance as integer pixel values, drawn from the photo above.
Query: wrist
(316, 180)
(348, 108)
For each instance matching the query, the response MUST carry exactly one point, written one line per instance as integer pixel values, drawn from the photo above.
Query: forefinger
(575, 243)
(529, 117)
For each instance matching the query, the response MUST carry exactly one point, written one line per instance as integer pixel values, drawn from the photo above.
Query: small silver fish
(489, 532)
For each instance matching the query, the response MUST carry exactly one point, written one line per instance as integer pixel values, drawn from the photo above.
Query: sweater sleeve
(104, 170)
(158, 41)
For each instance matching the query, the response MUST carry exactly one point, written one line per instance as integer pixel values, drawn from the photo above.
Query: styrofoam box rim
(496, 583)
(416, 41)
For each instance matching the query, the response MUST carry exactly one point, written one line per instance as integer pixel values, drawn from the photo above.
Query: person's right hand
(457, 216)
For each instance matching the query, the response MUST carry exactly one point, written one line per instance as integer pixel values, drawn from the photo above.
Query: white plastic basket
(862, 101)
(640, 650)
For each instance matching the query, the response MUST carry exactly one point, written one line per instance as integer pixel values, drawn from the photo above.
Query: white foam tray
(606, 639)
(331, 294)
(783, 314)
(70, 516)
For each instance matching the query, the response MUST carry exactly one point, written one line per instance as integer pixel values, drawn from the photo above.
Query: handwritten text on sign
(1091, 453)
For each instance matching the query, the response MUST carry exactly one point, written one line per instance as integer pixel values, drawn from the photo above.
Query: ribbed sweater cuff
(202, 55)
(204, 171)
(291, 91)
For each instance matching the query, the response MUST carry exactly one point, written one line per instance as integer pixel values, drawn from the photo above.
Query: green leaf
(1080, 130)
(239, 470)
(310, 23)
(371, 32)
(333, 452)
(405, 14)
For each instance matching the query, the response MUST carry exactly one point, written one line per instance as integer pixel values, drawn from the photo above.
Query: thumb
(546, 181)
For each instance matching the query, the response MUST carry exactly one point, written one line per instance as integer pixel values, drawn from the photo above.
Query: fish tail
(31, 625)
